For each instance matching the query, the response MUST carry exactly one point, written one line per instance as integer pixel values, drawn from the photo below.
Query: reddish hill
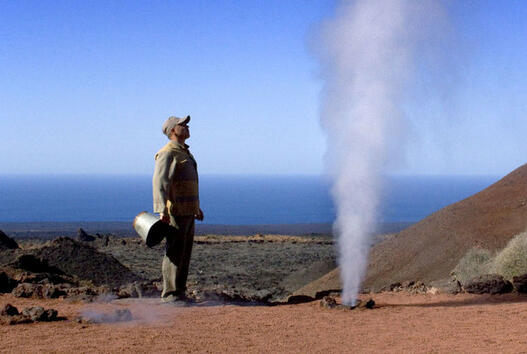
(430, 249)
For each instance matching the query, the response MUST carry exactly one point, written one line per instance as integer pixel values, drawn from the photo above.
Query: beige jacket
(175, 181)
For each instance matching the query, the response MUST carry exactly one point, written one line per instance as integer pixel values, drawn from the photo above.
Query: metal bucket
(151, 229)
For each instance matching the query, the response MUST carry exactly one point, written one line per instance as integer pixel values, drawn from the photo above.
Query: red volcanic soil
(400, 323)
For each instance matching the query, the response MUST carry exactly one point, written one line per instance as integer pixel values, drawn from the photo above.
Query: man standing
(176, 199)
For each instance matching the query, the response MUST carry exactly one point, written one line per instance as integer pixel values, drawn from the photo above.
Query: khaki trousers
(177, 256)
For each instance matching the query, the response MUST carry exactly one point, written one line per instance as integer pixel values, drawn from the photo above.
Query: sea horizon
(225, 199)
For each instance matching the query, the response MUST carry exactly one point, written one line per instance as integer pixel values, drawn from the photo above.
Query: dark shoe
(168, 299)
(180, 300)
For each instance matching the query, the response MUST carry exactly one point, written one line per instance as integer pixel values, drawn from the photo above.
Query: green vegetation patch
(476, 262)
(512, 260)
(509, 262)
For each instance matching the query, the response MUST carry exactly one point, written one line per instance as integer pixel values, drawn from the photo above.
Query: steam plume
(367, 59)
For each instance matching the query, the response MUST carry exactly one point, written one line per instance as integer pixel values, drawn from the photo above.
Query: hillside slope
(430, 249)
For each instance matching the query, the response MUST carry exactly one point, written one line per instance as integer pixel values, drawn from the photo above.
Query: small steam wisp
(367, 58)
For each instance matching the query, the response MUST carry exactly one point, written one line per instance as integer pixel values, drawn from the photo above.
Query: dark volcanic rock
(520, 283)
(38, 313)
(21, 275)
(83, 236)
(34, 313)
(298, 299)
(7, 284)
(7, 242)
(370, 304)
(328, 302)
(16, 319)
(488, 284)
(411, 286)
(9, 310)
(84, 293)
(34, 264)
(41, 291)
(10, 315)
(85, 262)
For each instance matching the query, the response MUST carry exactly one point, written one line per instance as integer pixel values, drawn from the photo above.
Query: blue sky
(86, 85)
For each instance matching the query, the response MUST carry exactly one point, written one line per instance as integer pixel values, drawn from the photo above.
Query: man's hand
(164, 218)
(200, 215)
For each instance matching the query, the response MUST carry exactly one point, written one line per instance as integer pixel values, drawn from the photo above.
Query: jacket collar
(178, 146)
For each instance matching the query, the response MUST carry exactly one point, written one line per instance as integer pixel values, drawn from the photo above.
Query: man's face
(182, 131)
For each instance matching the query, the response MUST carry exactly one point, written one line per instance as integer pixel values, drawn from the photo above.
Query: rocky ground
(258, 268)
(101, 293)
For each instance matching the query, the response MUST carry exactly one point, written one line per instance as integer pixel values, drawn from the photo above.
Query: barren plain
(400, 323)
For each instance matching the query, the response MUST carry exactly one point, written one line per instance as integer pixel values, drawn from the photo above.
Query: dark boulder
(328, 302)
(488, 284)
(21, 276)
(6, 242)
(45, 278)
(83, 236)
(9, 310)
(40, 291)
(39, 314)
(10, 315)
(26, 290)
(520, 283)
(7, 284)
(28, 268)
(85, 293)
(370, 304)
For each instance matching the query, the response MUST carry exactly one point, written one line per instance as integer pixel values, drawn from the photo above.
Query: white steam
(368, 56)
(133, 311)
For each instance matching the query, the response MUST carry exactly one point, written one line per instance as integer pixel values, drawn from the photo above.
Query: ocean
(227, 200)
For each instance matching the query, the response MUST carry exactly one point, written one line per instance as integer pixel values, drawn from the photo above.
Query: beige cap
(171, 122)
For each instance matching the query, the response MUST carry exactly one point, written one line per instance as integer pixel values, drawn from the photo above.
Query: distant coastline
(124, 229)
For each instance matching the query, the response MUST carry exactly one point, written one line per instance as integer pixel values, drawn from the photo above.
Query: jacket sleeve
(163, 173)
